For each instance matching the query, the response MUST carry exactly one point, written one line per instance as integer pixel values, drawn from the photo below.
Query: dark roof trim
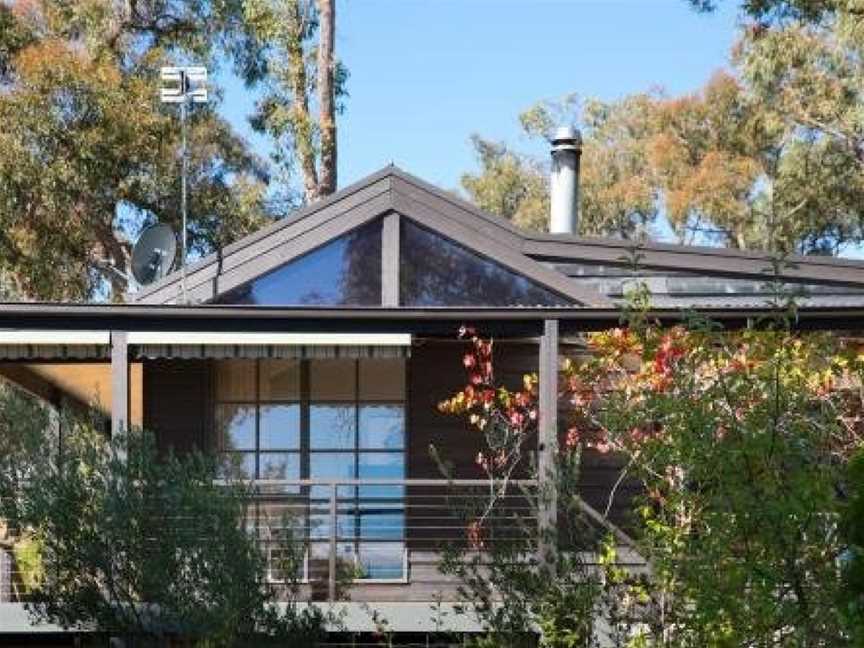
(478, 240)
(430, 320)
(723, 262)
(254, 252)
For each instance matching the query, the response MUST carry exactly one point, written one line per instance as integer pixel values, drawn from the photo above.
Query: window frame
(256, 402)
(352, 501)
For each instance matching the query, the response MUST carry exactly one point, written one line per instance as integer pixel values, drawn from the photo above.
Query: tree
(24, 450)
(852, 527)
(509, 184)
(766, 157)
(129, 543)
(87, 154)
(742, 445)
(799, 60)
(617, 197)
(512, 573)
(773, 10)
(302, 75)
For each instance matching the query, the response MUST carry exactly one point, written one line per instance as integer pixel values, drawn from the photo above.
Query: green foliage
(772, 10)
(140, 545)
(290, 36)
(616, 196)
(509, 185)
(25, 449)
(88, 156)
(517, 590)
(27, 553)
(740, 442)
(769, 156)
(748, 521)
(852, 526)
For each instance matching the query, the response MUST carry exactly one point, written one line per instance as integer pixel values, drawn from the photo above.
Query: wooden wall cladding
(435, 373)
(178, 404)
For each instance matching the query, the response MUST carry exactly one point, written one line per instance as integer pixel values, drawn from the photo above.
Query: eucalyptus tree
(303, 90)
(767, 155)
(88, 156)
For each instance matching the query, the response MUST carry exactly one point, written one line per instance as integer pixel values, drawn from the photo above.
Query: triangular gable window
(435, 271)
(344, 272)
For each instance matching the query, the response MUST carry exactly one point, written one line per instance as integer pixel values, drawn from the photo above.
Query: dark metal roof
(388, 191)
(708, 261)
(534, 255)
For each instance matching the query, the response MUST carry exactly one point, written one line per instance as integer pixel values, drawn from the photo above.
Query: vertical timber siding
(178, 403)
(436, 372)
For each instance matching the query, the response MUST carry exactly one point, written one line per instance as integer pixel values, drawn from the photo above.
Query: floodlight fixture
(183, 85)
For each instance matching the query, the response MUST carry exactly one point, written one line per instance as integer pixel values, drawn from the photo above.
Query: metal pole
(183, 191)
(548, 441)
(331, 589)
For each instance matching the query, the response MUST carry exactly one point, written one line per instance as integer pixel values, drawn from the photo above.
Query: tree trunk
(326, 96)
(300, 119)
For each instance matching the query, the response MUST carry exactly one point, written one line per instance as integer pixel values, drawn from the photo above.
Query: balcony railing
(354, 534)
(369, 539)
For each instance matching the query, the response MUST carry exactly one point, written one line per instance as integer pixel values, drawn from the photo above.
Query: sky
(426, 74)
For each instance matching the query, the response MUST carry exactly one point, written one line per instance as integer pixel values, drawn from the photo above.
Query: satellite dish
(153, 255)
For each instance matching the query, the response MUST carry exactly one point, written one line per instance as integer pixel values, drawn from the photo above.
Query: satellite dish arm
(108, 265)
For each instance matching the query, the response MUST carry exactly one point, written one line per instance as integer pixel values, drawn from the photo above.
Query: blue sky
(426, 74)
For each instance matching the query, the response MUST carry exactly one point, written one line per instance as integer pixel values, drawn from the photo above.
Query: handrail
(377, 482)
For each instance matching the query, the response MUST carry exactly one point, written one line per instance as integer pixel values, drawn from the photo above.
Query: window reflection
(332, 465)
(332, 426)
(279, 465)
(319, 527)
(382, 426)
(382, 560)
(435, 271)
(324, 420)
(236, 426)
(381, 465)
(280, 427)
(381, 523)
(344, 272)
(238, 465)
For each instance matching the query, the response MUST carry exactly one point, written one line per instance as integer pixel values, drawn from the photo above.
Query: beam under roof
(428, 320)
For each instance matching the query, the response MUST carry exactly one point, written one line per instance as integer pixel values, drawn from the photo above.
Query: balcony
(383, 540)
(368, 540)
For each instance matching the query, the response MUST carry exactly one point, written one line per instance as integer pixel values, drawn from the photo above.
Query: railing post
(331, 584)
(119, 383)
(548, 440)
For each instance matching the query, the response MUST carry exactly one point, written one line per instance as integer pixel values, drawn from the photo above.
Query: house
(312, 355)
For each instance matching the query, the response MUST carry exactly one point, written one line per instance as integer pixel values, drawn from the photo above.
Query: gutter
(431, 320)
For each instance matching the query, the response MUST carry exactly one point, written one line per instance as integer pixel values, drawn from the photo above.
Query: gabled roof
(390, 191)
(540, 257)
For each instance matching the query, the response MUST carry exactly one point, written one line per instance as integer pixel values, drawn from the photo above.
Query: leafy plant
(148, 547)
(741, 442)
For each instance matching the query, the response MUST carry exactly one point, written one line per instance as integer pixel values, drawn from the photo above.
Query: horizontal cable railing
(334, 535)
